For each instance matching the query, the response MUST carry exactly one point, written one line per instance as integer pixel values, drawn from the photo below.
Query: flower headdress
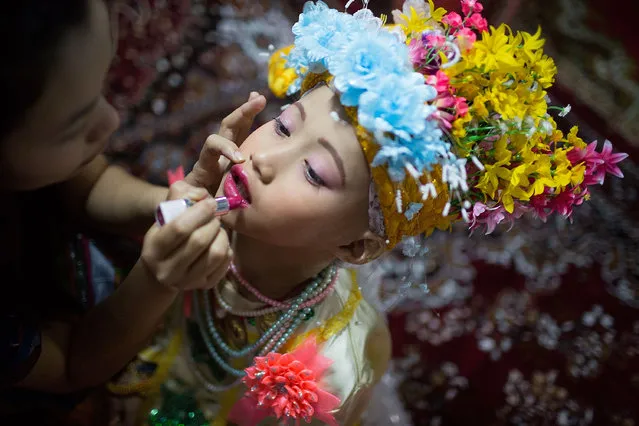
(452, 115)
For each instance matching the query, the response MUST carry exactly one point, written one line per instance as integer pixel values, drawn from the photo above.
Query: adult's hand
(222, 148)
(191, 251)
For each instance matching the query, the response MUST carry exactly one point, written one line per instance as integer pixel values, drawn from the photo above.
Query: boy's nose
(262, 167)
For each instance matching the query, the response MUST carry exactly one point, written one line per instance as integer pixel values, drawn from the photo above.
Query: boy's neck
(277, 272)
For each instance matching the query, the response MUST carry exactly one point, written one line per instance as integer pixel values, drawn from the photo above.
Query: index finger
(237, 124)
(172, 235)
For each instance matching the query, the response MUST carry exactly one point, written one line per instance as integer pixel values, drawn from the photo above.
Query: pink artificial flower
(597, 163)
(469, 6)
(482, 215)
(610, 160)
(588, 155)
(461, 106)
(564, 202)
(452, 19)
(440, 81)
(465, 39)
(417, 52)
(493, 216)
(434, 40)
(539, 204)
(286, 386)
(478, 22)
(595, 176)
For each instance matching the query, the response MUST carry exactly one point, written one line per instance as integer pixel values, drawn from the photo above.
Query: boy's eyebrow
(301, 109)
(338, 160)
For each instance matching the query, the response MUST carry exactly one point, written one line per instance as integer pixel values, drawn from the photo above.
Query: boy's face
(307, 178)
(71, 122)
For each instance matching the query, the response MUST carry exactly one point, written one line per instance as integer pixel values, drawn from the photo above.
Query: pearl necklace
(275, 337)
(314, 300)
(282, 321)
(256, 292)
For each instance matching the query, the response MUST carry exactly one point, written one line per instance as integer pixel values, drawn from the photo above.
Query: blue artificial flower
(397, 105)
(368, 57)
(312, 13)
(298, 60)
(412, 210)
(422, 151)
(394, 156)
(324, 37)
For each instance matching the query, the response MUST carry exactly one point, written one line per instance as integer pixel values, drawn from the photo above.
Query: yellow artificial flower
(563, 174)
(413, 23)
(543, 178)
(578, 173)
(436, 14)
(279, 76)
(518, 174)
(459, 125)
(529, 44)
(545, 69)
(506, 103)
(522, 144)
(478, 107)
(540, 184)
(489, 181)
(537, 105)
(575, 140)
(495, 50)
(502, 153)
(511, 193)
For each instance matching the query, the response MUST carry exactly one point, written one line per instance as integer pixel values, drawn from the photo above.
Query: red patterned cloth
(536, 326)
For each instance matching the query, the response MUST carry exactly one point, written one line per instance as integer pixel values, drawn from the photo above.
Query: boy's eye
(281, 129)
(312, 176)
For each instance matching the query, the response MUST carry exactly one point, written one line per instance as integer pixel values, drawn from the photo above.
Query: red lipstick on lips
(236, 188)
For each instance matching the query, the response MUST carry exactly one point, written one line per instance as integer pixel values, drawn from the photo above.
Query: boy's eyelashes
(280, 128)
(312, 176)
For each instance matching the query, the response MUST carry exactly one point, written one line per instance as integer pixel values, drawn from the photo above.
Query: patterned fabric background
(535, 326)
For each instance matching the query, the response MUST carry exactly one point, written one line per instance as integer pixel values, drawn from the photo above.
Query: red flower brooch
(286, 386)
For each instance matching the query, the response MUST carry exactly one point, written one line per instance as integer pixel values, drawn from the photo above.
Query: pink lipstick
(169, 210)
(236, 188)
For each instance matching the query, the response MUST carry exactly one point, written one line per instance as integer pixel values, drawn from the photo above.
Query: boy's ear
(363, 250)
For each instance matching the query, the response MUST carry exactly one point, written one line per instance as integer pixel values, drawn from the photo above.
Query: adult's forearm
(120, 202)
(112, 333)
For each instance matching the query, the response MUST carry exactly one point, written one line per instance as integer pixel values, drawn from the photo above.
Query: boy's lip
(233, 191)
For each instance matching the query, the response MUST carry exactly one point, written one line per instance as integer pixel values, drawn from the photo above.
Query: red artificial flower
(466, 38)
(478, 22)
(469, 6)
(286, 386)
(452, 19)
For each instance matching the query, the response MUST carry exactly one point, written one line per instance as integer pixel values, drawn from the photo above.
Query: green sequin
(178, 409)
(251, 321)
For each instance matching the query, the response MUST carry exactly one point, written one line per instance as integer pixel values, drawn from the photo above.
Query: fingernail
(211, 202)
(253, 95)
(197, 194)
(237, 156)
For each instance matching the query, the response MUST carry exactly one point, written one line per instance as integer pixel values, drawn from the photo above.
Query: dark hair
(30, 33)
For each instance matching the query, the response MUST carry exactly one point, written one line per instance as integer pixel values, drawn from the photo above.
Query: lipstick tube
(169, 210)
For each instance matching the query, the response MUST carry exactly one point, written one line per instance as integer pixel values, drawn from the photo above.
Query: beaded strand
(274, 338)
(315, 299)
(221, 361)
(256, 292)
(282, 321)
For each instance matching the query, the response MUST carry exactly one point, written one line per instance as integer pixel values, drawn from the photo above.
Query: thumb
(181, 189)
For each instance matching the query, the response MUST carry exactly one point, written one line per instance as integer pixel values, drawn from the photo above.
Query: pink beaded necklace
(275, 303)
